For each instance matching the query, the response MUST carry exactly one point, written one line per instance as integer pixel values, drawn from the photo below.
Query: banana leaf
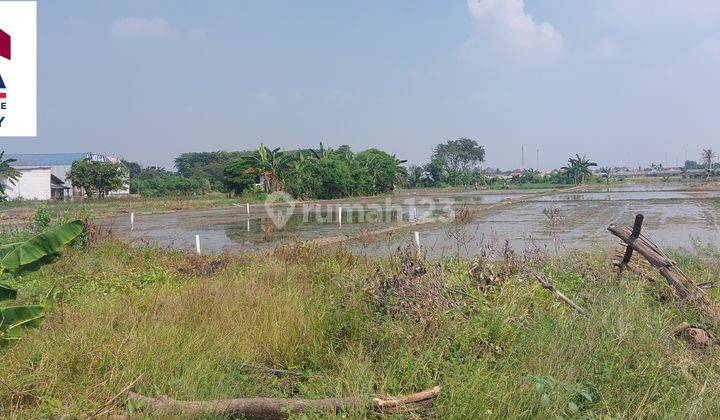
(7, 292)
(5, 249)
(47, 243)
(17, 318)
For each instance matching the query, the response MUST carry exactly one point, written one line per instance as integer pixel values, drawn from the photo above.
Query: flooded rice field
(553, 221)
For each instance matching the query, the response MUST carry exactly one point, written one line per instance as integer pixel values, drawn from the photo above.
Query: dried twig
(118, 395)
(559, 295)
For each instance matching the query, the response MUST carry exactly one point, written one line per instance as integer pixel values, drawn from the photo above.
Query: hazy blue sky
(624, 81)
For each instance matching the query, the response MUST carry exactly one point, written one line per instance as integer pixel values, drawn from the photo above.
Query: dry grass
(191, 329)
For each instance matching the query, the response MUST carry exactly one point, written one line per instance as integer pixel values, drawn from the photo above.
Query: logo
(279, 206)
(5, 52)
(18, 68)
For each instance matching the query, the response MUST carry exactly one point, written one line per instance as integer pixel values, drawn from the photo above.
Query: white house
(32, 184)
(44, 176)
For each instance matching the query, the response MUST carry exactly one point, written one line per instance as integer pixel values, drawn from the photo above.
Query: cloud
(139, 27)
(508, 23)
(651, 13)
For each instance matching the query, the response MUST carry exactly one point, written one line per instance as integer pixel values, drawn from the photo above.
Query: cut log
(681, 284)
(278, 408)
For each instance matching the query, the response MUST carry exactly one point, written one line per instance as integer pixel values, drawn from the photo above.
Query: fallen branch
(277, 408)
(681, 284)
(558, 294)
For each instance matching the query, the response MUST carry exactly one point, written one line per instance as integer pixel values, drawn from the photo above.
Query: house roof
(46, 159)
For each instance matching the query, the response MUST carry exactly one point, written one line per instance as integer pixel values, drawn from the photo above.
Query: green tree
(328, 177)
(98, 177)
(451, 159)
(530, 176)
(206, 165)
(7, 172)
(133, 168)
(378, 171)
(578, 168)
(238, 176)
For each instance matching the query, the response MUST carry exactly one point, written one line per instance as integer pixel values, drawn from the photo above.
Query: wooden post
(633, 236)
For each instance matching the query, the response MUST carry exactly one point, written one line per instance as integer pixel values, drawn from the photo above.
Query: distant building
(44, 176)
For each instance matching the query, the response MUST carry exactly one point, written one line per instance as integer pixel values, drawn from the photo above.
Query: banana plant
(13, 319)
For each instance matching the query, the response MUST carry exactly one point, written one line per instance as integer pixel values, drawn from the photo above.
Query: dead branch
(559, 295)
(278, 408)
(676, 278)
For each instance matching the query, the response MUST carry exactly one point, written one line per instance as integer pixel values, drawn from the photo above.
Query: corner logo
(18, 68)
(5, 52)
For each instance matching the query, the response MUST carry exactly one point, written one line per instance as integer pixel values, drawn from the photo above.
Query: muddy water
(236, 230)
(676, 220)
(673, 217)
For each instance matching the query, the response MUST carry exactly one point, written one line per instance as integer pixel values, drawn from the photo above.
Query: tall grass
(191, 325)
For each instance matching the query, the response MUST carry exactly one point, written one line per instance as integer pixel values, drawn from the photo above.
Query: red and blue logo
(5, 52)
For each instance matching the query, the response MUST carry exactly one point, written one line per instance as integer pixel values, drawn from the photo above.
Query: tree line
(311, 173)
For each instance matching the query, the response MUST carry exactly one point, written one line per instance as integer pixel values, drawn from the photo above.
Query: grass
(500, 348)
(145, 204)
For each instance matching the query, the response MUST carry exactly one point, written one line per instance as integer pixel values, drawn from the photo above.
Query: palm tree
(607, 174)
(269, 164)
(7, 172)
(578, 168)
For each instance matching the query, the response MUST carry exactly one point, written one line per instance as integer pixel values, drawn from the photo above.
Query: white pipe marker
(417, 242)
(340, 216)
(197, 243)
(132, 221)
(247, 206)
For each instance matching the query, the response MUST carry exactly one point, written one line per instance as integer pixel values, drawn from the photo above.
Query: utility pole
(522, 155)
(537, 158)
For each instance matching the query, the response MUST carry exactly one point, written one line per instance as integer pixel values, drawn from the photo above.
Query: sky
(627, 82)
